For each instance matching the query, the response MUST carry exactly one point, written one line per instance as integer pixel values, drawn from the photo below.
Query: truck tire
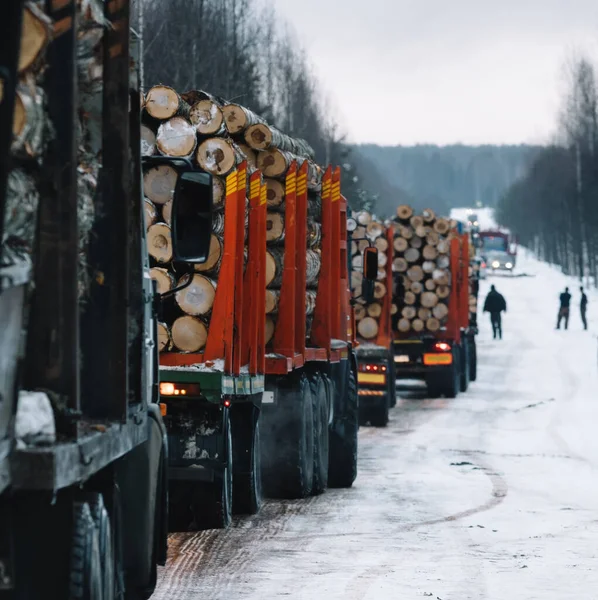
(464, 364)
(212, 503)
(473, 360)
(321, 433)
(289, 456)
(247, 484)
(453, 382)
(392, 377)
(343, 441)
(85, 574)
(378, 416)
(99, 514)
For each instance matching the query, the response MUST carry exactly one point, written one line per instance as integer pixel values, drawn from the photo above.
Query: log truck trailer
(83, 514)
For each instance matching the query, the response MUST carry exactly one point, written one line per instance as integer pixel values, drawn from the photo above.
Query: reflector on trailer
(438, 359)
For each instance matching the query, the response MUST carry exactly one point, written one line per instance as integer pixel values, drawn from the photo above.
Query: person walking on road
(565, 300)
(583, 307)
(495, 304)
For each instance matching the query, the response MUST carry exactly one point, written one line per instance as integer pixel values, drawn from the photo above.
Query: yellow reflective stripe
(231, 183)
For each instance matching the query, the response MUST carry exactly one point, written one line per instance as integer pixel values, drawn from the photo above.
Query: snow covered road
(490, 496)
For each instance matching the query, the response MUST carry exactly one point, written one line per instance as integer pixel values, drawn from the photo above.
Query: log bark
(167, 213)
(164, 338)
(189, 334)
(440, 311)
(148, 141)
(218, 223)
(313, 268)
(274, 227)
(176, 137)
(238, 118)
(429, 299)
(159, 243)
(159, 183)
(219, 191)
(274, 266)
(411, 255)
(262, 136)
(314, 234)
(404, 212)
(163, 103)
(400, 244)
(29, 122)
(198, 297)
(22, 199)
(150, 213)
(163, 278)
(214, 256)
(249, 155)
(310, 302)
(36, 33)
(217, 156)
(368, 328)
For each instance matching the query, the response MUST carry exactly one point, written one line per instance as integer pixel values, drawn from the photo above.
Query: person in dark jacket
(565, 304)
(495, 304)
(583, 307)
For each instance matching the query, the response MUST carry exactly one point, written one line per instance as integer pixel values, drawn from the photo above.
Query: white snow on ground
(491, 496)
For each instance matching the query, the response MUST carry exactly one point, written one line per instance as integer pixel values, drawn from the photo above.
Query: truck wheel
(452, 385)
(321, 439)
(212, 503)
(343, 441)
(392, 379)
(379, 414)
(464, 364)
(247, 481)
(99, 514)
(473, 360)
(85, 575)
(289, 460)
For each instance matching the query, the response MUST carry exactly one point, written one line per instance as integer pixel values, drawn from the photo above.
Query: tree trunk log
(274, 227)
(412, 255)
(314, 234)
(272, 297)
(214, 256)
(374, 310)
(249, 155)
(440, 311)
(275, 163)
(159, 183)
(409, 298)
(219, 191)
(424, 313)
(368, 328)
(416, 221)
(433, 325)
(150, 213)
(415, 273)
(189, 334)
(148, 141)
(442, 226)
(409, 312)
(176, 137)
(313, 268)
(159, 243)
(36, 33)
(270, 328)
(429, 299)
(359, 311)
(400, 265)
(432, 239)
(275, 192)
(443, 291)
(238, 118)
(406, 232)
(404, 212)
(356, 278)
(429, 253)
(400, 244)
(394, 309)
(364, 218)
(382, 244)
(374, 230)
(443, 262)
(443, 246)
(441, 277)
(429, 215)
(163, 103)
(163, 278)
(263, 137)
(430, 285)
(417, 325)
(218, 156)
(29, 122)
(198, 297)
(310, 302)
(207, 118)
(428, 266)
(167, 213)
(421, 232)
(164, 338)
(404, 325)
(417, 287)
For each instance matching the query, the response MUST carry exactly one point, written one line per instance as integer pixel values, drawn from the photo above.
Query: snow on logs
(218, 136)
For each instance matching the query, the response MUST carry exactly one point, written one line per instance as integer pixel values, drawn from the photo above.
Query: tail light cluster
(367, 368)
(442, 347)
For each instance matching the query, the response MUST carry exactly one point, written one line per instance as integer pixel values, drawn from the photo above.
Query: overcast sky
(444, 71)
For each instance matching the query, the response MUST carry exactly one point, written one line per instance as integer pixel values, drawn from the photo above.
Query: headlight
(495, 264)
(509, 265)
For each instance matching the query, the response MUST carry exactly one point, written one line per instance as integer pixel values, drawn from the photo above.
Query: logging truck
(375, 377)
(83, 473)
(433, 340)
(257, 363)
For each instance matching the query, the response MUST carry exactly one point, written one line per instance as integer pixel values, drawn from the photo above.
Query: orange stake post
(384, 332)
(301, 247)
(452, 326)
(335, 258)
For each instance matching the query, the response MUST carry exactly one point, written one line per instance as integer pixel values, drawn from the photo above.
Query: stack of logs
(421, 271)
(32, 130)
(365, 230)
(217, 136)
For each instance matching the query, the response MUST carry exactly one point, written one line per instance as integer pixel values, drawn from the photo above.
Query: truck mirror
(192, 217)
(370, 264)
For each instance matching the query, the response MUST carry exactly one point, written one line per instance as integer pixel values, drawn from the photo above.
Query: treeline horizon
(554, 206)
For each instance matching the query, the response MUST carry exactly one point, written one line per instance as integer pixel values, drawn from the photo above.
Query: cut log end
(198, 297)
(159, 242)
(162, 102)
(159, 183)
(368, 328)
(176, 137)
(189, 334)
(217, 156)
(214, 256)
(206, 116)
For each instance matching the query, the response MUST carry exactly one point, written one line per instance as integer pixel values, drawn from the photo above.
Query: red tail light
(442, 347)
